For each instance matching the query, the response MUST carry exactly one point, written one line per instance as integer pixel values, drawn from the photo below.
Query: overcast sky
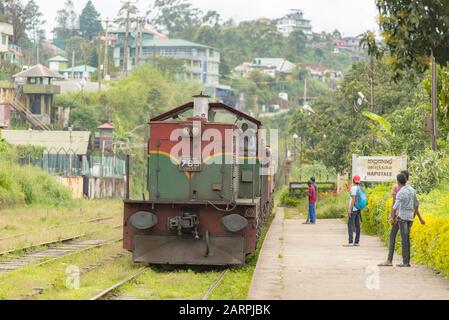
(351, 17)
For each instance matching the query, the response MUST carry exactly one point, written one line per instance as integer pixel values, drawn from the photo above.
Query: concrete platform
(310, 262)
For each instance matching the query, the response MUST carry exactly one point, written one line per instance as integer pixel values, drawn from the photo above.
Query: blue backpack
(361, 201)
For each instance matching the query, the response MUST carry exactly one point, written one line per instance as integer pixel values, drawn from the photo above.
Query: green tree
(90, 26)
(16, 13)
(413, 30)
(84, 118)
(66, 23)
(175, 15)
(85, 51)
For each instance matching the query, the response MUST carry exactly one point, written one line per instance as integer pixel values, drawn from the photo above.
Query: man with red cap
(354, 214)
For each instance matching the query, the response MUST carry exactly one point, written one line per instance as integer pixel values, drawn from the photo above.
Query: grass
(53, 275)
(30, 225)
(329, 206)
(157, 284)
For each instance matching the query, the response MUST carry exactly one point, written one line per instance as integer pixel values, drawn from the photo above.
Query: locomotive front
(209, 191)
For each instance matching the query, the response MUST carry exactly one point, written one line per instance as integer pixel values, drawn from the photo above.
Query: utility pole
(127, 7)
(139, 40)
(106, 47)
(99, 63)
(73, 64)
(434, 103)
(372, 109)
(36, 37)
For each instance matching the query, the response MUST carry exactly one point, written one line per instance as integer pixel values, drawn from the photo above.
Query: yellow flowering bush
(430, 242)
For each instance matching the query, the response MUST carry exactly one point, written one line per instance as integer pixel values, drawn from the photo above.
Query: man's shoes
(402, 265)
(385, 264)
(356, 244)
(348, 245)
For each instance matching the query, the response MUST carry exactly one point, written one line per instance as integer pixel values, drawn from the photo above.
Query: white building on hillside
(292, 21)
(6, 31)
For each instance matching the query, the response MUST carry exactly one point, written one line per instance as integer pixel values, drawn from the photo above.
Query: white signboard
(378, 169)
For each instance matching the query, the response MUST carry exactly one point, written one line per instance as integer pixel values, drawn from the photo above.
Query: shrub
(429, 170)
(287, 200)
(332, 205)
(27, 185)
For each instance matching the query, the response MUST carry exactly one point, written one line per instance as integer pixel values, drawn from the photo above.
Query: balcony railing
(41, 89)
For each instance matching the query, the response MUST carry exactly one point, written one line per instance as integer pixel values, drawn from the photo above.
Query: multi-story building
(292, 21)
(6, 31)
(201, 62)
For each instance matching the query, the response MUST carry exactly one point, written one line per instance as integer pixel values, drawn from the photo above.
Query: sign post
(378, 169)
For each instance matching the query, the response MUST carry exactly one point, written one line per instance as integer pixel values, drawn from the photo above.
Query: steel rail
(214, 285)
(108, 291)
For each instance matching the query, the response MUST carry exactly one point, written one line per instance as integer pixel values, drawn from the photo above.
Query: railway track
(53, 251)
(108, 294)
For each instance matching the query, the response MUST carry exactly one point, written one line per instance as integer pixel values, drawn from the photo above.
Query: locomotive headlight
(186, 132)
(143, 220)
(234, 223)
(196, 131)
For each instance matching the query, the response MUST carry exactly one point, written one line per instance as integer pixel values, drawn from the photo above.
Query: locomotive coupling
(185, 224)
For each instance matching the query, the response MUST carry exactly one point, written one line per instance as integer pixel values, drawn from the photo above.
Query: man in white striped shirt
(405, 209)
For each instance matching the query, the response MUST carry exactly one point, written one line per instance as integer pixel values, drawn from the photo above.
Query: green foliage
(429, 170)
(383, 123)
(65, 22)
(85, 118)
(27, 185)
(170, 67)
(408, 136)
(85, 51)
(332, 205)
(412, 30)
(443, 98)
(90, 26)
(175, 15)
(287, 200)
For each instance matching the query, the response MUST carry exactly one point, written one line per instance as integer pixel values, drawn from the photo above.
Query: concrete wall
(99, 188)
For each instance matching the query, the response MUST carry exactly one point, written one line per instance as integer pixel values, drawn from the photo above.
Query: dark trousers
(405, 228)
(354, 220)
(393, 234)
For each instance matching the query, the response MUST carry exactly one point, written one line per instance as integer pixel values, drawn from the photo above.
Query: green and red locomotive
(211, 184)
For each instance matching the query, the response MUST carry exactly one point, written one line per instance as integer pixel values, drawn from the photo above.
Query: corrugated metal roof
(106, 126)
(173, 43)
(53, 141)
(80, 68)
(38, 71)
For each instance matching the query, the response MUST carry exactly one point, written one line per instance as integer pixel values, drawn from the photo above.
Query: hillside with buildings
(81, 94)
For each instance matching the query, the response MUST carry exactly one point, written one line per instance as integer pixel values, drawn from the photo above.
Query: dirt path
(300, 262)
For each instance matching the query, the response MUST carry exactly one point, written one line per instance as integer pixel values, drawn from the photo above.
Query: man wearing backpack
(357, 202)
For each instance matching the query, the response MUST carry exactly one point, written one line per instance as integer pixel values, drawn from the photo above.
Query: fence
(68, 164)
